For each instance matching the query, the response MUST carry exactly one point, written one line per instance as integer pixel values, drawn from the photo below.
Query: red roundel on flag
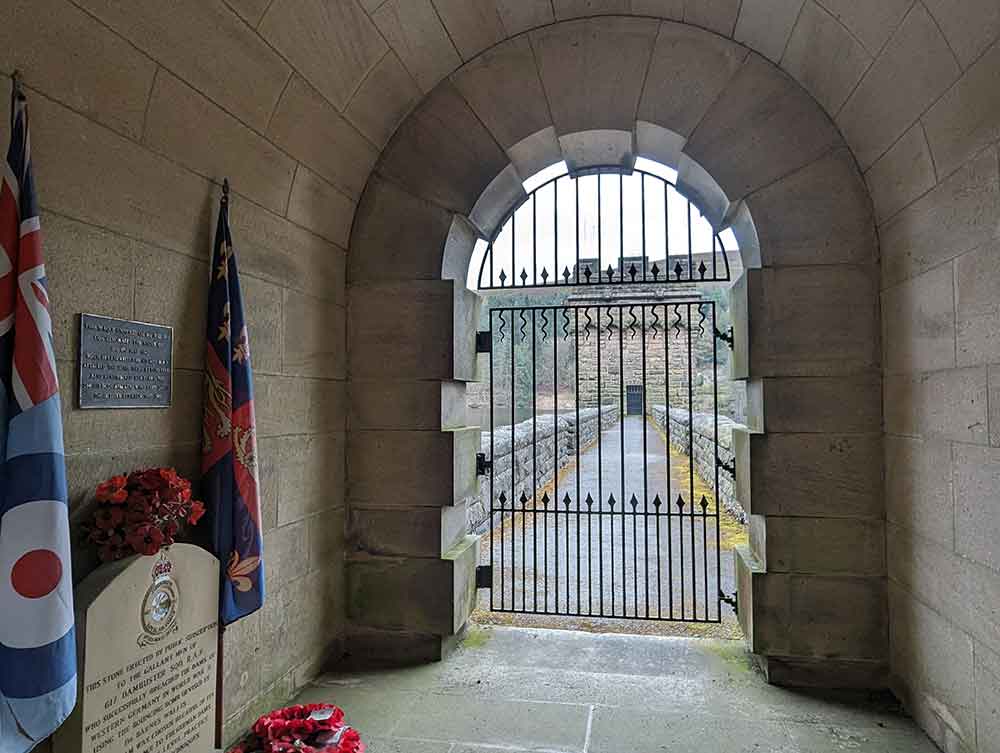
(36, 573)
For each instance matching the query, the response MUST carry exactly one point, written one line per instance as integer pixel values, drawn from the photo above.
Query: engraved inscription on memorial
(124, 364)
(149, 629)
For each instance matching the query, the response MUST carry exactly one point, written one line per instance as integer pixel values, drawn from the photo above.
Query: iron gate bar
(597, 275)
(663, 512)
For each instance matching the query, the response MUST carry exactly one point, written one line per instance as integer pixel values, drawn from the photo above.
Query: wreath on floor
(311, 728)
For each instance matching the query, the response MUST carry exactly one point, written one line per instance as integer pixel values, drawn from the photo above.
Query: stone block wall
(525, 458)
(705, 449)
(138, 112)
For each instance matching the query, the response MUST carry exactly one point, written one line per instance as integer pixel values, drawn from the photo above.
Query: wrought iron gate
(592, 514)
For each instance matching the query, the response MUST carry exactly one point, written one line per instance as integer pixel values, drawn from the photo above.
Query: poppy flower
(146, 539)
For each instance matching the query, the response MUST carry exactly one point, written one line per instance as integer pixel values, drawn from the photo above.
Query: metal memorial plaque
(124, 364)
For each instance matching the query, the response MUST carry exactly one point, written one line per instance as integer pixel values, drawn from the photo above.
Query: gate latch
(483, 466)
(726, 337)
(733, 601)
(484, 342)
(484, 576)
(729, 467)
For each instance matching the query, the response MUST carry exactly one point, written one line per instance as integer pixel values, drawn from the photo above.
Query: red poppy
(107, 518)
(197, 510)
(146, 539)
(113, 490)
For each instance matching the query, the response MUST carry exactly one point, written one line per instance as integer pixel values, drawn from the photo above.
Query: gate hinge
(733, 601)
(484, 576)
(730, 467)
(483, 466)
(726, 337)
(484, 342)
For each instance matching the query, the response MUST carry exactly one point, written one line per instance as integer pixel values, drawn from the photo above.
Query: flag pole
(15, 78)
(219, 684)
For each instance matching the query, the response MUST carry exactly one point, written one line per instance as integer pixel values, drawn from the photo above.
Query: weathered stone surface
(820, 214)
(716, 15)
(521, 15)
(535, 152)
(967, 118)
(994, 400)
(671, 9)
(289, 405)
(397, 235)
(396, 405)
(381, 467)
(268, 481)
(872, 23)
(503, 89)
(87, 269)
(611, 55)
(918, 318)
(694, 182)
(958, 215)
(914, 69)
(240, 664)
(762, 126)
(688, 71)
(934, 659)
(987, 680)
(319, 206)
(333, 45)
(443, 153)
(942, 405)
(565, 9)
(250, 11)
(765, 25)
(817, 404)
(175, 305)
(952, 585)
(830, 546)
(413, 532)
(845, 674)
(918, 487)
(327, 533)
(287, 556)
(503, 193)
(473, 25)
(190, 38)
(315, 337)
(274, 249)
(124, 429)
(977, 494)
(824, 57)
(77, 61)
(414, 30)
(309, 129)
(970, 26)
(312, 472)
(219, 147)
(458, 249)
(902, 174)
(384, 98)
(816, 475)
(812, 321)
(658, 143)
(977, 309)
(597, 148)
(95, 175)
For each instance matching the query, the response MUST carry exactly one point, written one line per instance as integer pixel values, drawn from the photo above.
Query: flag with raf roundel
(37, 637)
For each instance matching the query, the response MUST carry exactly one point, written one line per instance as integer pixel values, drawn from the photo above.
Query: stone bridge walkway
(616, 569)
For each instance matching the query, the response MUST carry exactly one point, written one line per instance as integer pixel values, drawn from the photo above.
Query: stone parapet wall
(704, 449)
(529, 454)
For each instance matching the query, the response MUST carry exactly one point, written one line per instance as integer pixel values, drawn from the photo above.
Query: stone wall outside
(704, 450)
(534, 446)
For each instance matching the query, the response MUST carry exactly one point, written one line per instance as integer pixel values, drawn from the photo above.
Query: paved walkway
(616, 568)
(513, 689)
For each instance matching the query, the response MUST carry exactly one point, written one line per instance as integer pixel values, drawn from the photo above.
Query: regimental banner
(124, 364)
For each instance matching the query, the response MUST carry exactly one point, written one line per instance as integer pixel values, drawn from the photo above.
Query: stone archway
(748, 141)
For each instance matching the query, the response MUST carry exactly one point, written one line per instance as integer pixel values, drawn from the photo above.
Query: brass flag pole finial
(225, 190)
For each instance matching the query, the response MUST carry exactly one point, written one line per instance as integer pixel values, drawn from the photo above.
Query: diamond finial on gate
(678, 270)
(655, 270)
(524, 500)
(524, 276)
(590, 501)
(587, 273)
(545, 276)
(633, 272)
(566, 275)
(610, 272)
(502, 500)
(657, 502)
(545, 500)
(704, 503)
(566, 501)
(634, 502)
(702, 269)
(611, 501)
(680, 502)
(503, 278)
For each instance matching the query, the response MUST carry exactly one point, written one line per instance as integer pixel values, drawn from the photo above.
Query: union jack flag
(229, 443)
(37, 636)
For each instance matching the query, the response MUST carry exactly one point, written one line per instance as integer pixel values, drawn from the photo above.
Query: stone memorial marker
(147, 632)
